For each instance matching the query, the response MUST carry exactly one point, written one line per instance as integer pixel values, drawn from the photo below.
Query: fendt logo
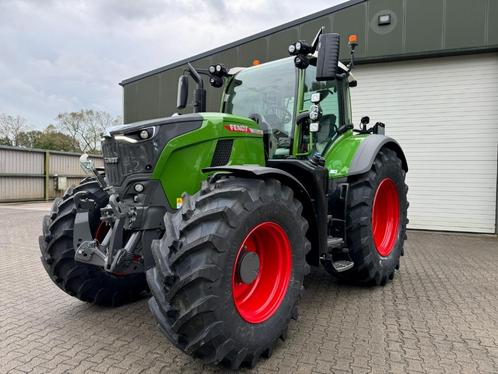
(242, 128)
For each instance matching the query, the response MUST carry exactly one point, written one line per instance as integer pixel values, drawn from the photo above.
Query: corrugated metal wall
(443, 113)
(31, 174)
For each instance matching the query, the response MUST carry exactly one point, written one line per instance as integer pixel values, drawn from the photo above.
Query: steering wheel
(280, 114)
(283, 140)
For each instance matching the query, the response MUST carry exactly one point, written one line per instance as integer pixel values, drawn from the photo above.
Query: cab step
(334, 243)
(342, 265)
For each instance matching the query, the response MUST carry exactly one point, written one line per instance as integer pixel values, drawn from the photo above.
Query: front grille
(110, 152)
(122, 159)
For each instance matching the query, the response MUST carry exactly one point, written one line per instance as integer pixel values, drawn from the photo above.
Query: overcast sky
(66, 55)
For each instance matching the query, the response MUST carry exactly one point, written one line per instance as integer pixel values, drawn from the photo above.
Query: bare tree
(86, 126)
(11, 128)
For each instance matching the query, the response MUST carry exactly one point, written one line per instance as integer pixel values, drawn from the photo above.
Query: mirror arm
(195, 76)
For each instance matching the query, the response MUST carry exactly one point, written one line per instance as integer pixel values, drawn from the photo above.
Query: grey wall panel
(21, 188)
(492, 22)
(166, 98)
(424, 25)
(308, 30)
(257, 49)
(19, 161)
(385, 39)
(279, 43)
(145, 97)
(465, 26)
(351, 21)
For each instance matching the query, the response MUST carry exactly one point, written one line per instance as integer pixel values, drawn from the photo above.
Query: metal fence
(38, 174)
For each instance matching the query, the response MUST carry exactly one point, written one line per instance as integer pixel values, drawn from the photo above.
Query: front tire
(206, 298)
(376, 222)
(86, 282)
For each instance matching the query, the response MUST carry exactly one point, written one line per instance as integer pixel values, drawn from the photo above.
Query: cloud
(65, 55)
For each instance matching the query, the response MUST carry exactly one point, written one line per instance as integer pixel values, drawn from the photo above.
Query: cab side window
(329, 121)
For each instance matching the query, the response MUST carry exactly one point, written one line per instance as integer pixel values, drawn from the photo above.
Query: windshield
(269, 91)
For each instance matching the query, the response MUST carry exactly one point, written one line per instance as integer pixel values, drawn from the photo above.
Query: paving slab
(440, 315)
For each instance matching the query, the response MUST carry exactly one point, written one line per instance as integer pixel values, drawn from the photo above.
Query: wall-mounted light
(384, 19)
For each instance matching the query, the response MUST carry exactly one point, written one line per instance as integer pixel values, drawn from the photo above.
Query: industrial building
(428, 69)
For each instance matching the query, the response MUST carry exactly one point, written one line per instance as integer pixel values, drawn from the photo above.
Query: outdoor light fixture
(212, 69)
(292, 49)
(384, 19)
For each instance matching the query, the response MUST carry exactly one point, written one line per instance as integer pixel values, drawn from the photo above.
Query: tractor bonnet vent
(222, 152)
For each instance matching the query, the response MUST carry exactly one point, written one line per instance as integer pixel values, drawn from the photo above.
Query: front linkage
(109, 253)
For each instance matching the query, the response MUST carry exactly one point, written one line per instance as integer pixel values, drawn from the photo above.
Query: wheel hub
(248, 267)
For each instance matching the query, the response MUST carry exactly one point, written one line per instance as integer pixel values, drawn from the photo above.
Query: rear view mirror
(328, 57)
(181, 99)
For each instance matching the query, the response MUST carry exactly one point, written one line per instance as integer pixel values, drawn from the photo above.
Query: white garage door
(444, 113)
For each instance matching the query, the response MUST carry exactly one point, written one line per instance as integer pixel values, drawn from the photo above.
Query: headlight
(144, 134)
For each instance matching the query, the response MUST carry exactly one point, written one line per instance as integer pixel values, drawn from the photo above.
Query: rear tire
(86, 282)
(194, 280)
(375, 233)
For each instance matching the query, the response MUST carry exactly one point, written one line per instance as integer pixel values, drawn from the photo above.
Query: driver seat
(327, 130)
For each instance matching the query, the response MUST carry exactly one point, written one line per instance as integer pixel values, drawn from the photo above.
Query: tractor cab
(280, 96)
(301, 103)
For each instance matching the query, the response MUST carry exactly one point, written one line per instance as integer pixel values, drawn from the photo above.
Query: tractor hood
(135, 148)
(134, 126)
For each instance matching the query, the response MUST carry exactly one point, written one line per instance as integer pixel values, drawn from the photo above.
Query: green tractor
(220, 215)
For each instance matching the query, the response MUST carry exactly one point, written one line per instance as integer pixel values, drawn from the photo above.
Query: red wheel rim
(385, 217)
(260, 299)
